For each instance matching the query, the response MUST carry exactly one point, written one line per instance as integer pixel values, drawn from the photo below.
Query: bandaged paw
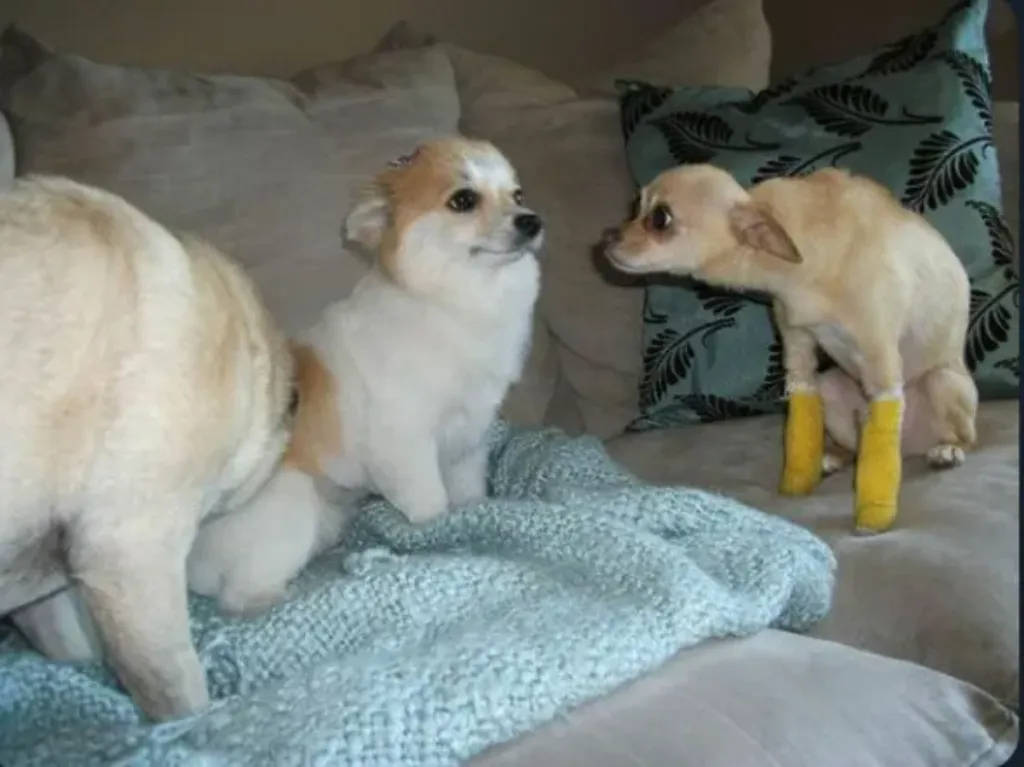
(804, 443)
(879, 467)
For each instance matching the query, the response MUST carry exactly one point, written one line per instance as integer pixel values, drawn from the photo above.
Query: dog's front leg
(805, 421)
(406, 470)
(466, 476)
(132, 576)
(879, 455)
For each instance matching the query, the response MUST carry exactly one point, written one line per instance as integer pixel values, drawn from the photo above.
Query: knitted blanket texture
(423, 646)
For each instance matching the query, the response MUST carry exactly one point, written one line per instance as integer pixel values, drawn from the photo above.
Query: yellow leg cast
(804, 443)
(879, 467)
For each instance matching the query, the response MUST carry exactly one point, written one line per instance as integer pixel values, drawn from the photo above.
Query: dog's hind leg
(247, 557)
(845, 406)
(953, 399)
(128, 554)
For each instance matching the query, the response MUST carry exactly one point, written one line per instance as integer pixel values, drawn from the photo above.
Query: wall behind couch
(564, 38)
(806, 32)
(278, 37)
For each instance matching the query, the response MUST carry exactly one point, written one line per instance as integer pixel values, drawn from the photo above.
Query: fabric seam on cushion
(714, 709)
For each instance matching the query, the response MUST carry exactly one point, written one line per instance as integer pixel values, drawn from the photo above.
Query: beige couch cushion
(721, 42)
(777, 700)
(264, 168)
(569, 152)
(940, 589)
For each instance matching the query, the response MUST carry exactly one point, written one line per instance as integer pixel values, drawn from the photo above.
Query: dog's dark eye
(464, 201)
(517, 197)
(659, 219)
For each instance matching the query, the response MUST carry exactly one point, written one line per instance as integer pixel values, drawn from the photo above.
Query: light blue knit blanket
(424, 646)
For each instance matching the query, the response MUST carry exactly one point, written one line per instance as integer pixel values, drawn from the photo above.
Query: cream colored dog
(141, 385)
(398, 383)
(850, 271)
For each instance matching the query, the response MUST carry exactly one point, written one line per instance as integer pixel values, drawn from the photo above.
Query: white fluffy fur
(420, 357)
(141, 385)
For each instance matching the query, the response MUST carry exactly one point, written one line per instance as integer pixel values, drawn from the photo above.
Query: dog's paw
(945, 456)
(831, 463)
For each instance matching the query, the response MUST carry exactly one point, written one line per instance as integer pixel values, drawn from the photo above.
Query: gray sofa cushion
(940, 589)
(777, 700)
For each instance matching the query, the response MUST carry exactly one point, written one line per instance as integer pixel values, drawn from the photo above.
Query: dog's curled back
(142, 384)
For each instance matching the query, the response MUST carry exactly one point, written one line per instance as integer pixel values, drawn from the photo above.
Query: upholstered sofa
(916, 665)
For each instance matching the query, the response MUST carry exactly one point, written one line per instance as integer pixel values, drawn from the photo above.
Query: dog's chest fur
(840, 345)
(492, 360)
(442, 369)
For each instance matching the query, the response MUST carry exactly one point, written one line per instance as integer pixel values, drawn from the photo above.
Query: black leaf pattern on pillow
(667, 361)
(991, 320)
(976, 82)
(669, 358)
(943, 164)
(1012, 364)
(791, 165)
(903, 55)
(761, 99)
(651, 317)
(662, 419)
(696, 137)
(999, 237)
(637, 102)
(710, 407)
(852, 110)
(773, 385)
(783, 165)
(726, 303)
(721, 303)
(990, 324)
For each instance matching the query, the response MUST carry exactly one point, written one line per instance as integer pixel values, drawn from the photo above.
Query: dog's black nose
(528, 225)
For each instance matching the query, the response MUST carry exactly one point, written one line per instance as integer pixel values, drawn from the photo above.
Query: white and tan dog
(851, 271)
(142, 383)
(399, 383)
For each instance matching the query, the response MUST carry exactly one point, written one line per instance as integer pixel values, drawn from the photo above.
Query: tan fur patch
(316, 433)
(421, 186)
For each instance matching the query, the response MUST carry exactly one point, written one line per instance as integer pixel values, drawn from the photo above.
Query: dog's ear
(368, 218)
(755, 226)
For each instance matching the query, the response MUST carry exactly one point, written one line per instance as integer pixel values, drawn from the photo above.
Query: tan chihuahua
(851, 271)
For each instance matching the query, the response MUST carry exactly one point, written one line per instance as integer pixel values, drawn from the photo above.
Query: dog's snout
(528, 224)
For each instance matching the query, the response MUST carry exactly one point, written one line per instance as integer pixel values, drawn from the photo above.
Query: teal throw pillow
(916, 116)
